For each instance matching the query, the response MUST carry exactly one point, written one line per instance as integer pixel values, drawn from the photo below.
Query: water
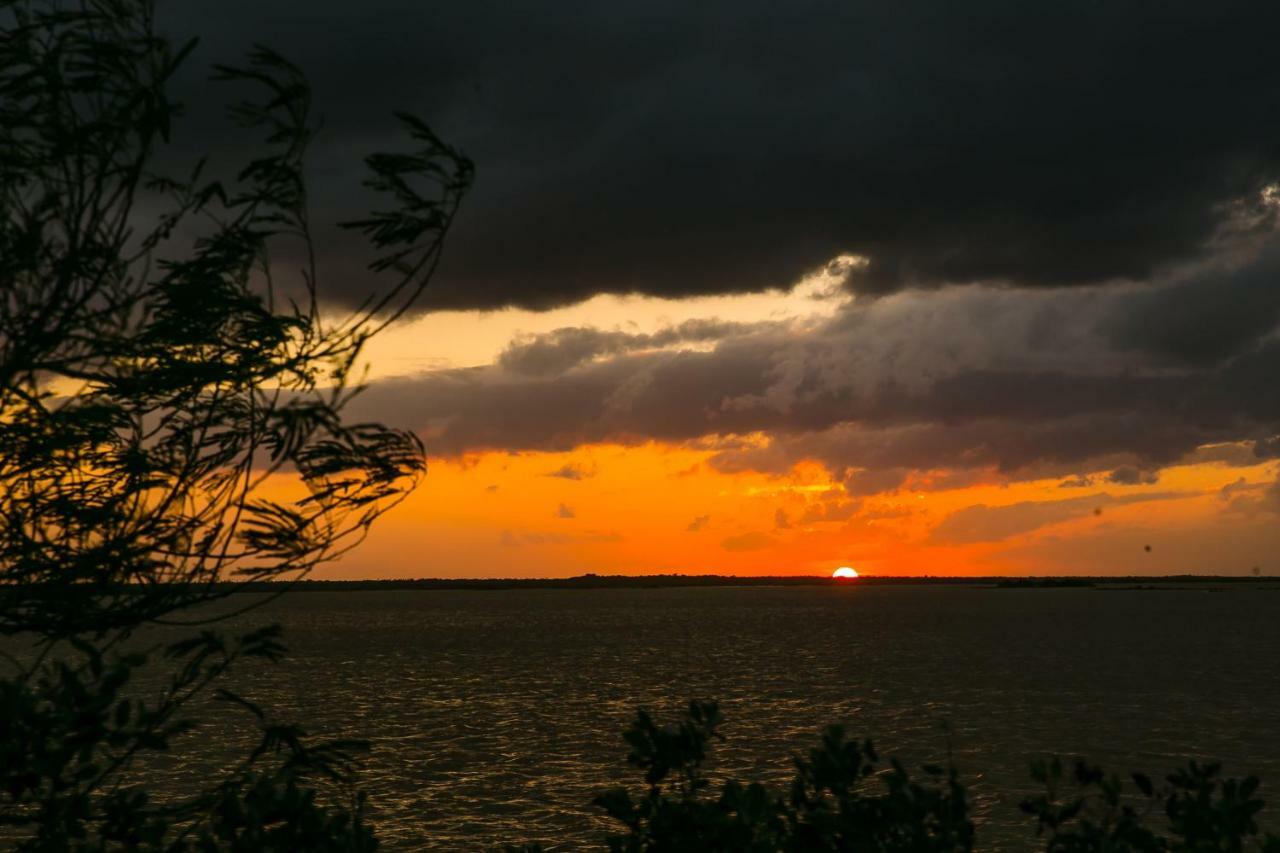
(495, 715)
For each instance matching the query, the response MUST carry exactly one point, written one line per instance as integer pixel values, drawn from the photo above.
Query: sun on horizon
(844, 572)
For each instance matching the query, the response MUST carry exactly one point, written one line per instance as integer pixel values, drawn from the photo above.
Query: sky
(762, 288)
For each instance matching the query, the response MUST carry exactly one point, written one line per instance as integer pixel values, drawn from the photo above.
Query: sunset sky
(760, 288)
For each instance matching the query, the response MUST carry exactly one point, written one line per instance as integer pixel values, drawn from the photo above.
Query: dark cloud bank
(675, 148)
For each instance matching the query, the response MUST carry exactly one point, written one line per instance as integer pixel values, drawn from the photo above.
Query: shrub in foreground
(844, 797)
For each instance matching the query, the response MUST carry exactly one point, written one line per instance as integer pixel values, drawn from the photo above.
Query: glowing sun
(844, 572)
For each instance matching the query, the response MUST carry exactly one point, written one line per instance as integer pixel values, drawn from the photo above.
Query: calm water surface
(495, 715)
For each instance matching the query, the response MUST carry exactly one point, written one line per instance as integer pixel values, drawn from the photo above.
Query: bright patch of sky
(453, 339)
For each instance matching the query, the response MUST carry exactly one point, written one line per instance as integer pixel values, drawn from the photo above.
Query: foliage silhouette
(157, 367)
(1203, 811)
(844, 798)
(830, 807)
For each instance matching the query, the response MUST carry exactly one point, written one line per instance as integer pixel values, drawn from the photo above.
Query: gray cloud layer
(678, 148)
(562, 349)
(1032, 383)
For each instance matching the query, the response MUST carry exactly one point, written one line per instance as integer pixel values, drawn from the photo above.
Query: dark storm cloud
(677, 148)
(1203, 317)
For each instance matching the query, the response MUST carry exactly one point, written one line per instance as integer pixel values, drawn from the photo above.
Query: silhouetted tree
(155, 371)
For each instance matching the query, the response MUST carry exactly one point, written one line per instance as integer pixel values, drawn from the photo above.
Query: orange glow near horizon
(657, 508)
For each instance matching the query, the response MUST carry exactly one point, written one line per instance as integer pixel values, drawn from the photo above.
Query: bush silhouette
(1202, 812)
(843, 797)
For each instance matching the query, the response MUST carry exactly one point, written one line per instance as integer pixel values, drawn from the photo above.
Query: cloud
(1077, 482)
(1251, 499)
(566, 348)
(1010, 448)
(874, 481)
(1204, 317)
(1022, 384)
(982, 523)
(826, 511)
(1131, 475)
(753, 541)
(698, 524)
(674, 148)
(572, 471)
(1267, 448)
(517, 539)
(1230, 490)
(565, 511)
(1072, 267)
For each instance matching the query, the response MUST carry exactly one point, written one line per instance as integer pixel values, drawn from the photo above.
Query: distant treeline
(593, 581)
(671, 581)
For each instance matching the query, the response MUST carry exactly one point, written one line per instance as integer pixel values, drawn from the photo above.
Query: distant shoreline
(675, 581)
